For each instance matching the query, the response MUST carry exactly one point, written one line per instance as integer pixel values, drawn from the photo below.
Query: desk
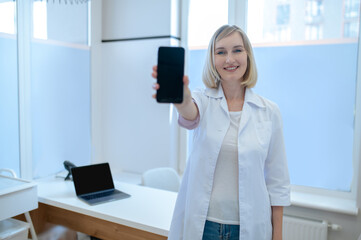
(146, 214)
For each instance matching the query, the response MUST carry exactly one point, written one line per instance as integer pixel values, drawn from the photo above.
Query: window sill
(323, 202)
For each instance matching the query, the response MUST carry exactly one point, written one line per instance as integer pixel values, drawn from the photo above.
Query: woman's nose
(229, 58)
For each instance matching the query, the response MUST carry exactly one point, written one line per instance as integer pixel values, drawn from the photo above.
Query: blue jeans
(217, 231)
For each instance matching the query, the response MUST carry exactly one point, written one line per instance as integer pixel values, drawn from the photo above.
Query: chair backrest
(12, 172)
(163, 178)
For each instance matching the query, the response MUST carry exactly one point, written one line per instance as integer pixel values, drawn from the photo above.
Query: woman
(236, 181)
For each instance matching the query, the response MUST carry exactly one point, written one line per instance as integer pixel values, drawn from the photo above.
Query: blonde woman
(236, 181)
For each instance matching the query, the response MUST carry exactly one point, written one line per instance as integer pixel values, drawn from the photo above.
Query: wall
(136, 132)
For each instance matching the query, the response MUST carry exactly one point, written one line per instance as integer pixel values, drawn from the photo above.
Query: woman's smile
(231, 68)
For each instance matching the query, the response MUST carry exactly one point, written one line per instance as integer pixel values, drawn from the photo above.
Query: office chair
(165, 178)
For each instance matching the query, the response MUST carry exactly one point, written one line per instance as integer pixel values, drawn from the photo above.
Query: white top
(147, 209)
(223, 205)
(263, 179)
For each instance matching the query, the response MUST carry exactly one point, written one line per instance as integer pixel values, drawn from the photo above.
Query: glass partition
(9, 114)
(60, 86)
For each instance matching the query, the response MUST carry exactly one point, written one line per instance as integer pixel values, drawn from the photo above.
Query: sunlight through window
(205, 17)
(40, 20)
(7, 17)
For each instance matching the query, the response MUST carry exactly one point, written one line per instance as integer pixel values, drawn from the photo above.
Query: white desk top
(11, 184)
(147, 209)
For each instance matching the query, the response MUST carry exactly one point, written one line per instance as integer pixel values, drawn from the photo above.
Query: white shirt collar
(250, 97)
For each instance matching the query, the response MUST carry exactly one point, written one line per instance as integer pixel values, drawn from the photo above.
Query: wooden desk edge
(86, 224)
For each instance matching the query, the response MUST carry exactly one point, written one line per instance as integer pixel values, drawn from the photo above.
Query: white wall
(136, 130)
(136, 133)
(137, 18)
(67, 22)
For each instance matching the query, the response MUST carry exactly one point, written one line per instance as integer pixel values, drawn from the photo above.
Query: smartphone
(170, 74)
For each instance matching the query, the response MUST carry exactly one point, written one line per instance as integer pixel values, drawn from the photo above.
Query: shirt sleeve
(187, 123)
(276, 169)
(197, 99)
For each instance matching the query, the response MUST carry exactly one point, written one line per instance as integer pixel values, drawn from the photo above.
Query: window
(60, 86)
(313, 32)
(7, 16)
(351, 16)
(205, 17)
(283, 14)
(61, 21)
(52, 97)
(282, 32)
(352, 8)
(314, 19)
(40, 20)
(314, 10)
(303, 53)
(9, 115)
(303, 77)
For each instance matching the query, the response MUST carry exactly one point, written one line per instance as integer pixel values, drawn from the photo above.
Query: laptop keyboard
(97, 195)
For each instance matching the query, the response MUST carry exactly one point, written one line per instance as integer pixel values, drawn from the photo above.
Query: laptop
(94, 184)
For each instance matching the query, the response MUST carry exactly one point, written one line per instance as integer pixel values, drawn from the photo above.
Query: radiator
(303, 229)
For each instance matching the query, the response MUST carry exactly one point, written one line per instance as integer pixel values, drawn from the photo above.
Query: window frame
(24, 9)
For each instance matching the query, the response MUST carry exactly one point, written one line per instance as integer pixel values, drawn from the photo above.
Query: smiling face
(230, 58)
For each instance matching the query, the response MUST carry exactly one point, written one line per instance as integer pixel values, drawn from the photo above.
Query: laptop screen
(92, 178)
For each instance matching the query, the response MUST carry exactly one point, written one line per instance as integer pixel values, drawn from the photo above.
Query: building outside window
(283, 30)
(314, 19)
(351, 16)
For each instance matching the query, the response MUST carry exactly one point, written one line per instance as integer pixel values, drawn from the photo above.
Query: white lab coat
(262, 166)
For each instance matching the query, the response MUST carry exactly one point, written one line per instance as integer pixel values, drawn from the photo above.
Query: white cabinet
(17, 196)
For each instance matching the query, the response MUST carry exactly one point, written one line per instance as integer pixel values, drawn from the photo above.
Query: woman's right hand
(187, 108)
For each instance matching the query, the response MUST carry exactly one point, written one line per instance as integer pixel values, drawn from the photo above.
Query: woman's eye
(220, 52)
(238, 50)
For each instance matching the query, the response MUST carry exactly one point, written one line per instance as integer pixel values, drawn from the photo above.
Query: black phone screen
(170, 74)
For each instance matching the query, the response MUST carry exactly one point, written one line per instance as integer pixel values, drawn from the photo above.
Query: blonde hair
(211, 77)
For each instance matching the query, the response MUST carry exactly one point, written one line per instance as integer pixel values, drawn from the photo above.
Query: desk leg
(32, 230)
(38, 219)
(92, 226)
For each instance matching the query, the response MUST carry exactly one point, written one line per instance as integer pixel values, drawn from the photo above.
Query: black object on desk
(68, 166)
